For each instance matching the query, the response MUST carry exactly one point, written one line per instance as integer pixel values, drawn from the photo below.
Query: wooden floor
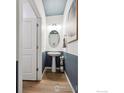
(51, 83)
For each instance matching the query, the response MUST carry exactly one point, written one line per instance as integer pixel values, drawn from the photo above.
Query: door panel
(27, 35)
(28, 64)
(29, 49)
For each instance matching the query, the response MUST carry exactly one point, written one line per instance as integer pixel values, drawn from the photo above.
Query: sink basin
(54, 54)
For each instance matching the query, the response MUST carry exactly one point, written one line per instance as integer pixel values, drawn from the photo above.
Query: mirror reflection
(54, 38)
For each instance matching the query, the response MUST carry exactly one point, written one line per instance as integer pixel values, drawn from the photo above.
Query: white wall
(55, 20)
(27, 10)
(72, 47)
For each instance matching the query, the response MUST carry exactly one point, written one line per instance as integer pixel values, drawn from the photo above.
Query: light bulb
(54, 27)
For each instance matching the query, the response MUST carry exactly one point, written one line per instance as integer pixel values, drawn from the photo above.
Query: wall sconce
(54, 27)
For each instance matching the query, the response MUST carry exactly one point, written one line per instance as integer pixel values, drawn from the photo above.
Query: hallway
(51, 83)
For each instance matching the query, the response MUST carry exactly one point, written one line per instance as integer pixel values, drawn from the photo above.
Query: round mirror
(54, 38)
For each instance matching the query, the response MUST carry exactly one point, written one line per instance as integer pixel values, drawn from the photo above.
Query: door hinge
(37, 47)
(37, 24)
(37, 69)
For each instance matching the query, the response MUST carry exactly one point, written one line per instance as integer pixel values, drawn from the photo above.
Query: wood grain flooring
(50, 83)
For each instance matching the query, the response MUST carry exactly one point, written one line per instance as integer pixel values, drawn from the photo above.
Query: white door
(29, 53)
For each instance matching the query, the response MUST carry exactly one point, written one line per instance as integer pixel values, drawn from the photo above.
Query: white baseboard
(69, 82)
(43, 73)
(51, 68)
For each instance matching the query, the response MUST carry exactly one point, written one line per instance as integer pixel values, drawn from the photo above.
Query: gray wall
(71, 68)
(43, 60)
(48, 62)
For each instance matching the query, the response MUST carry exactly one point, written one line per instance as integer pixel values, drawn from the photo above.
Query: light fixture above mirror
(54, 27)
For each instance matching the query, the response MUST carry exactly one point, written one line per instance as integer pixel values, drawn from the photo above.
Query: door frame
(39, 50)
(19, 17)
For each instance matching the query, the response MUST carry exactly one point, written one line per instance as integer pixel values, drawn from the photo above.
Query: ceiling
(54, 7)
